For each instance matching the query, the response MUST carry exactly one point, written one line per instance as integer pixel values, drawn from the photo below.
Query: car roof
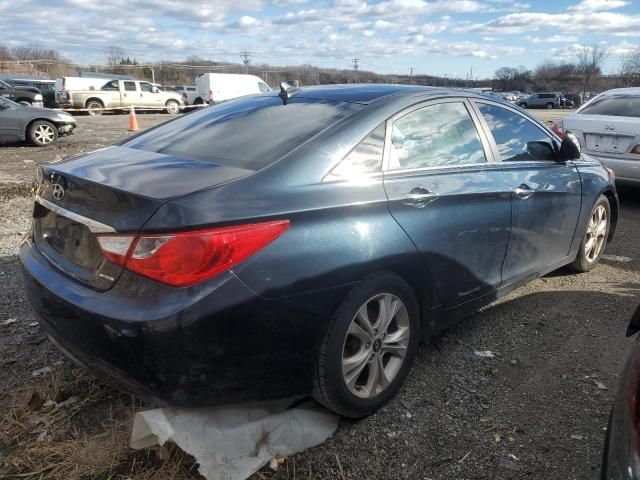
(362, 93)
(623, 91)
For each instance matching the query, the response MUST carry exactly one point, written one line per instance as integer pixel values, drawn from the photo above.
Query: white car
(218, 87)
(608, 128)
(189, 94)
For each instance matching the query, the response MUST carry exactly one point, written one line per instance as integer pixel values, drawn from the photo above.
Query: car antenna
(287, 91)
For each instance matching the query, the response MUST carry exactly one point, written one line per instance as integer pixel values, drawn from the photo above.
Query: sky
(452, 37)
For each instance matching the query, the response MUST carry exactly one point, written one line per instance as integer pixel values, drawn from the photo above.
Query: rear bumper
(211, 344)
(626, 170)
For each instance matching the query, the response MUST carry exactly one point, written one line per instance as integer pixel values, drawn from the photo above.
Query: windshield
(10, 103)
(249, 132)
(617, 106)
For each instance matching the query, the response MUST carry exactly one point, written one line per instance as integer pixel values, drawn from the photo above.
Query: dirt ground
(535, 410)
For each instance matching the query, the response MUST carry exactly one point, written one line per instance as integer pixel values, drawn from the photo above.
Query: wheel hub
(377, 345)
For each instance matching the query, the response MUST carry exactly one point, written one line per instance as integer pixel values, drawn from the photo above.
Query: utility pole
(245, 59)
(355, 68)
(411, 75)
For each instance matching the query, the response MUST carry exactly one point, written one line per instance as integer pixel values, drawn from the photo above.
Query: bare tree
(5, 54)
(630, 68)
(590, 60)
(115, 55)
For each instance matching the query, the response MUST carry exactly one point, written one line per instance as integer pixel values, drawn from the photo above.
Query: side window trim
(492, 141)
(475, 120)
(328, 177)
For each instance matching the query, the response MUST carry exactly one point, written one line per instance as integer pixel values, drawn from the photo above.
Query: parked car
(39, 126)
(45, 87)
(566, 102)
(165, 88)
(621, 459)
(218, 87)
(122, 94)
(608, 128)
(27, 96)
(303, 241)
(540, 100)
(189, 95)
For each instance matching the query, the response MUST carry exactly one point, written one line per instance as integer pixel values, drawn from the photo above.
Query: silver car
(39, 126)
(608, 127)
(541, 100)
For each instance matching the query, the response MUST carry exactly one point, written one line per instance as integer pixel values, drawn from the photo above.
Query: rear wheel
(173, 107)
(42, 133)
(369, 347)
(94, 107)
(522, 105)
(25, 103)
(595, 236)
(549, 106)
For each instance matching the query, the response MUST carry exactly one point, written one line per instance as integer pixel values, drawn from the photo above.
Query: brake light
(636, 149)
(187, 258)
(558, 129)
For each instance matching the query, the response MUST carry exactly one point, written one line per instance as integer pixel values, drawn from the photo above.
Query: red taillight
(636, 149)
(187, 258)
(558, 129)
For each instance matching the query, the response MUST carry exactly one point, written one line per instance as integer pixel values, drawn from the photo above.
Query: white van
(217, 87)
(67, 84)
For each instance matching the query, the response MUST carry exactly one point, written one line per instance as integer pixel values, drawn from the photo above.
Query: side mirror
(569, 148)
(155, 90)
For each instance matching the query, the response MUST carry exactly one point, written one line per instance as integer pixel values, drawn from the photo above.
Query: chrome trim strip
(92, 225)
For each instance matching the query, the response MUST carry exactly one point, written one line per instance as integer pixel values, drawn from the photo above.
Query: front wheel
(369, 347)
(522, 105)
(549, 106)
(173, 107)
(25, 103)
(595, 236)
(42, 133)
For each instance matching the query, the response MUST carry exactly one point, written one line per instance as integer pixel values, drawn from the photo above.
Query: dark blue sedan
(303, 241)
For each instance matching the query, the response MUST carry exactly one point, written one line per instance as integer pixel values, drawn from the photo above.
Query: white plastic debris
(232, 443)
(615, 258)
(9, 321)
(485, 353)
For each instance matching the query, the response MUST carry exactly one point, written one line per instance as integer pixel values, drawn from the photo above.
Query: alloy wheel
(376, 345)
(173, 107)
(44, 134)
(596, 232)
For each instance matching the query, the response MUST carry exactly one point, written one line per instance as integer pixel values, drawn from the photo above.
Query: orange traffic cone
(133, 121)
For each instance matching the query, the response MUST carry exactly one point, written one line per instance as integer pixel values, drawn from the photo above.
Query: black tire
(42, 133)
(523, 105)
(198, 101)
(586, 260)
(549, 106)
(330, 386)
(24, 103)
(173, 107)
(94, 107)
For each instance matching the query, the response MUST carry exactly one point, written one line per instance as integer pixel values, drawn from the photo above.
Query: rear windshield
(251, 132)
(618, 106)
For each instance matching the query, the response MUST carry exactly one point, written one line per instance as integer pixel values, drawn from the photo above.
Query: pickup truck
(24, 95)
(121, 95)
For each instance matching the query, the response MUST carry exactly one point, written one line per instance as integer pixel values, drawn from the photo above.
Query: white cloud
(597, 5)
(553, 39)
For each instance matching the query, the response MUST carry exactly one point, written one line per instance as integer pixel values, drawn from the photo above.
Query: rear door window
(249, 132)
(130, 86)
(435, 136)
(517, 138)
(618, 106)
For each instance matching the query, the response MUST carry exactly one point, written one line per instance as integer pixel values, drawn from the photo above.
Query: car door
(10, 125)
(547, 194)
(151, 97)
(130, 94)
(450, 196)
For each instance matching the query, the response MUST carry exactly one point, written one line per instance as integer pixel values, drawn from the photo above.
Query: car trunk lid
(605, 133)
(115, 190)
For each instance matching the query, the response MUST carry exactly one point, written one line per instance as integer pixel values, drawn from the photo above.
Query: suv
(27, 96)
(45, 87)
(541, 100)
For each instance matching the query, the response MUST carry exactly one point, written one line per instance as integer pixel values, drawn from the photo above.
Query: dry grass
(69, 426)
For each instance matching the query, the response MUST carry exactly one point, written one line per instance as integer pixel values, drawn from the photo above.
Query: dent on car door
(450, 197)
(546, 198)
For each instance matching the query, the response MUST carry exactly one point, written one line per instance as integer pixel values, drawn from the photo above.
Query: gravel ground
(534, 411)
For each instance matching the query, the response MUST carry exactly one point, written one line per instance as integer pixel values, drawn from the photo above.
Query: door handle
(523, 191)
(418, 197)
